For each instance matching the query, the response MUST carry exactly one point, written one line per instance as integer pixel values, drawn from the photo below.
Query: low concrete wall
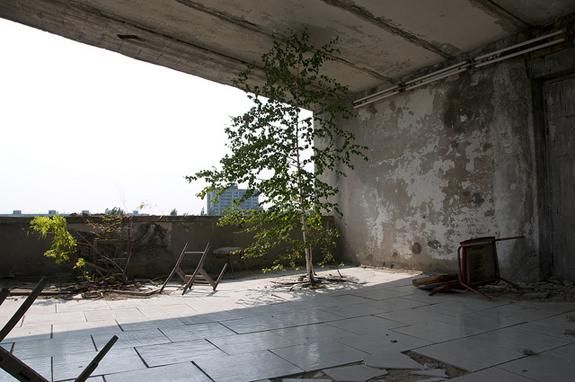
(21, 250)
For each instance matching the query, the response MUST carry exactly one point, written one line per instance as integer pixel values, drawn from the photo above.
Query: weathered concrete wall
(448, 162)
(21, 250)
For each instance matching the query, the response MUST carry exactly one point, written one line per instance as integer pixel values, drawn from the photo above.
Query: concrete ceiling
(381, 40)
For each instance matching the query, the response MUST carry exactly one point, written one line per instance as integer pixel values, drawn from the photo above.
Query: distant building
(20, 214)
(217, 206)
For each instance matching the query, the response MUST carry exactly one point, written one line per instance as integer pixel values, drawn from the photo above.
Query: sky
(82, 128)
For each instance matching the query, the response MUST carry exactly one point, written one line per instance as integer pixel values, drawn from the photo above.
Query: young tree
(272, 148)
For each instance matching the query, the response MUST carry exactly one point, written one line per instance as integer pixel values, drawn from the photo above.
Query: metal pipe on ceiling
(477, 62)
(519, 45)
(511, 55)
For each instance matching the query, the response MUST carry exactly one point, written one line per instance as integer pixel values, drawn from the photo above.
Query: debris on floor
(354, 373)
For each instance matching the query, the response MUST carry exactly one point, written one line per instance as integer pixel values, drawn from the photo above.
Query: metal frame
(199, 272)
(465, 275)
(18, 369)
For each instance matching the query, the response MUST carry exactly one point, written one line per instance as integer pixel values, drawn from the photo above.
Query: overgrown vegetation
(102, 248)
(63, 247)
(273, 151)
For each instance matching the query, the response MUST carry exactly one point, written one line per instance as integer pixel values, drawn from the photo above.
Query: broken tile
(491, 375)
(320, 355)
(180, 372)
(385, 340)
(471, 354)
(177, 352)
(431, 373)
(542, 367)
(432, 379)
(438, 331)
(354, 373)
(391, 360)
(247, 367)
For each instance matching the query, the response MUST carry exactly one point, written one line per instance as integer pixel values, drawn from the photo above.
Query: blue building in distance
(226, 199)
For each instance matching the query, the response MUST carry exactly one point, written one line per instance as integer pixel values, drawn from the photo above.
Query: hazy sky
(83, 128)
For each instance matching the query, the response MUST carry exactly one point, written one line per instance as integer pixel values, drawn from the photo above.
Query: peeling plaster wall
(447, 162)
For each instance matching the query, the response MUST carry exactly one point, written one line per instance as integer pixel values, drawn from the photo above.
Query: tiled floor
(249, 331)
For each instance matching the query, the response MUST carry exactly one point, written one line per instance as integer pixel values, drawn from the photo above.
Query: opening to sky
(82, 128)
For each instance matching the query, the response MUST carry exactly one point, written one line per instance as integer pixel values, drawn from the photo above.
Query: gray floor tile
(113, 314)
(438, 331)
(49, 347)
(520, 338)
(385, 340)
(366, 324)
(247, 367)
(196, 332)
(29, 332)
(560, 326)
(85, 328)
(471, 354)
(542, 368)
(491, 348)
(132, 338)
(567, 352)
(81, 305)
(312, 333)
(491, 375)
(147, 323)
(379, 293)
(354, 373)
(372, 307)
(117, 360)
(251, 342)
(166, 311)
(391, 360)
(41, 365)
(416, 316)
(320, 355)
(30, 318)
(306, 317)
(253, 325)
(177, 352)
(180, 372)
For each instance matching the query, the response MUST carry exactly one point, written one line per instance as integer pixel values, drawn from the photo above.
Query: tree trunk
(307, 250)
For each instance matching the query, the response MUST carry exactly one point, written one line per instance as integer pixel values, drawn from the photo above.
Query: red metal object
(478, 265)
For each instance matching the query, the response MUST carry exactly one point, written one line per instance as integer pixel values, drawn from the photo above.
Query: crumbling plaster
(447, 162)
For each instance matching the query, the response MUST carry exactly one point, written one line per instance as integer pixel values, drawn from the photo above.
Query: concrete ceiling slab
(454, 26)
(537, 12)
(365, 44)
(380, 40)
